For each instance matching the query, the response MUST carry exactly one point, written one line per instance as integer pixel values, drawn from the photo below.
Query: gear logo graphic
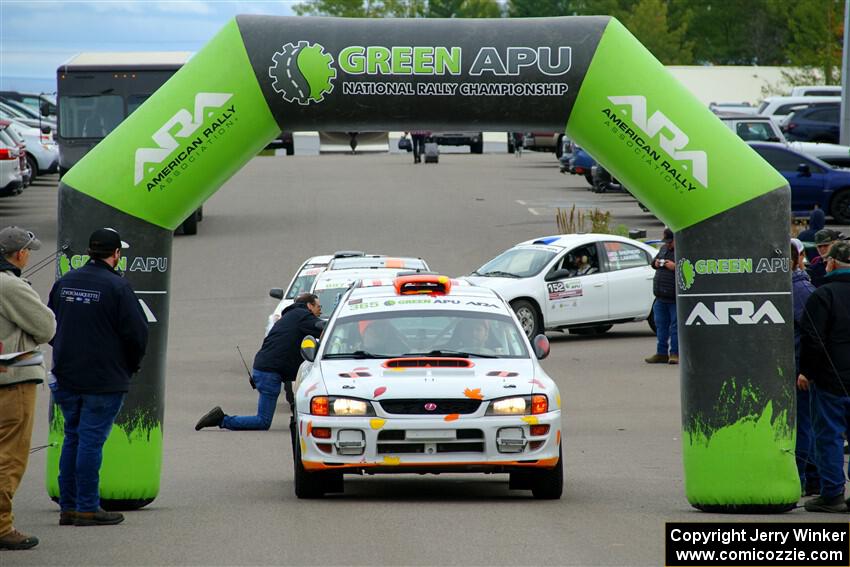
(685, 274)
(303, 72)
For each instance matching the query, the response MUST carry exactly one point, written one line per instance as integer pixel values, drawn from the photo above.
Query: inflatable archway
(587, 75)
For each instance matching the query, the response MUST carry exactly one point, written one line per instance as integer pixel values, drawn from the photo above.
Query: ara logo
(188, 123)
(734, 312)
(303, 72)
(671, 138)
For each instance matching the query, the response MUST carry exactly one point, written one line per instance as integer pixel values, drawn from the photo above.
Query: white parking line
(533, 212)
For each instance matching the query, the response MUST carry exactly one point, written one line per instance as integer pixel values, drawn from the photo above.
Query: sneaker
(99, 518)
(211, 419)
(67, 517)
(16, 540)
(657, 359)
(673, 359)
(833, 505)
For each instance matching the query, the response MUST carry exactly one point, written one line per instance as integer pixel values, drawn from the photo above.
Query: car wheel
(528, 317)
(316, 484)
(840, 208)
(549, 484)
(559, 147)
(651, 318)
(33, 165)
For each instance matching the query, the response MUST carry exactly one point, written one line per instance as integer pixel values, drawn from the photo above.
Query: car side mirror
(276, 292)
(44, 108)
(803, 169)
(541, 346)
(557, 275)
(309, 346)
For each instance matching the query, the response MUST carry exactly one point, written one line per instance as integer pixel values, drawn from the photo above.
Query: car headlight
(332, 405)
(519, 405)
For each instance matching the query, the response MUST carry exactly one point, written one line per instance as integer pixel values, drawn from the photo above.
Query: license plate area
(438, 434)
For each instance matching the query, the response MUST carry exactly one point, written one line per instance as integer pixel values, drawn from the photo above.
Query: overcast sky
(37, 36)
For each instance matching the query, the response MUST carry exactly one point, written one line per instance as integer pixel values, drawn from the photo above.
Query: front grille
(417, 407)
(428, 362)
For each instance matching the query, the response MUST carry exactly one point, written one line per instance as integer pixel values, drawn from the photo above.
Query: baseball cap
(668, 235)
(106, 240)
(826, 236)
(798, 244)
(840, 252)
(14, 238)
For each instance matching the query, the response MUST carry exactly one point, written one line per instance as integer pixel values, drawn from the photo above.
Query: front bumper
(429, 444)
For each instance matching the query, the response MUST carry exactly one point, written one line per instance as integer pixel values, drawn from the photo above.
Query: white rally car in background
(305, 277)
(423, 374)
(582, 282)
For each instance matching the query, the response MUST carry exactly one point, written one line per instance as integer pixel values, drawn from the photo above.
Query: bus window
(90, 116)
(135, 101)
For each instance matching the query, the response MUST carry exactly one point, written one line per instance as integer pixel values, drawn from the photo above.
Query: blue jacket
(281, 350)
(101, 330)
(801, 289)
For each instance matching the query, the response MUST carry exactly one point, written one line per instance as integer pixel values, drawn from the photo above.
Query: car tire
(651, 318)
(313, 485)
(559, 147)
(549, 484)
(528, 317)
(589, 179)
(190, 225)
(33, 165)
(840, 207)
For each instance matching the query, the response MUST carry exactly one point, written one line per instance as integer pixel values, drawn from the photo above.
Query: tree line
(798, 33)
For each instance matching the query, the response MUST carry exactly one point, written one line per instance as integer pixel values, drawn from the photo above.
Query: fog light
(510, 440)
(538, 430)
(321, 432)
(350, 442)
(324, 447)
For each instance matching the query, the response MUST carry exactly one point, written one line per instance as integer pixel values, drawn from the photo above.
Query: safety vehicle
(424, 374)
(584, 283)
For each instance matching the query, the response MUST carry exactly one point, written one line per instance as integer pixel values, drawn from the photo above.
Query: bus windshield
(90, 116)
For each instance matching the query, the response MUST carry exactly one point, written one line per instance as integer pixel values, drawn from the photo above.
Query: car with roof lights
(583, 283)
(305, 277)
(424, 374)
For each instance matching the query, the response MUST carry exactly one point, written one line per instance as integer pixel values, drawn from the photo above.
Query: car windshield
(414, 333)
(303, 281)
(517, 262)
(22, 109)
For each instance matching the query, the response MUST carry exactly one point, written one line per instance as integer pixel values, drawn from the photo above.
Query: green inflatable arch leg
(261, 75)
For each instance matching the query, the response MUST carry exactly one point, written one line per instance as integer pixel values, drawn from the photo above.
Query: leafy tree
(816, 29)
(541, 8)
(648, 21)
(400, 8)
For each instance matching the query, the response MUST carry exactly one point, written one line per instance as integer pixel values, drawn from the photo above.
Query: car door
(576, 294)
(629, 279)
(806, 188)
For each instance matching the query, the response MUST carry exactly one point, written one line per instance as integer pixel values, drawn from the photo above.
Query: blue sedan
(813, 182)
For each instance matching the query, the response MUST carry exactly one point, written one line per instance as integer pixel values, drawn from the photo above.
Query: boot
(673, 359)
(67, 517)
(211, 419)
(16, 540)
(833, 505)
(99, 518)
(657, 359)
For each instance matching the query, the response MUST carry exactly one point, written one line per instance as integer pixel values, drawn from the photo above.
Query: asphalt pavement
(226, 498)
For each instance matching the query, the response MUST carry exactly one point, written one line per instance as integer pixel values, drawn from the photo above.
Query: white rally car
(305, 277)
(423, 374)
(582, 282)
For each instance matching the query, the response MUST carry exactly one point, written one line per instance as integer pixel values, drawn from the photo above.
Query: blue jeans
(805, 452)
(88, 421)
(830, 418)
(268, 387)
(666, 329)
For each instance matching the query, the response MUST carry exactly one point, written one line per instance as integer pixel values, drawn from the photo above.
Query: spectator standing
(824, 238)
(101, 337)
(418, 138)
(801, 289)
(25, 323)
(276, 362)
(817, 220)
(664, 308)
(825, 372)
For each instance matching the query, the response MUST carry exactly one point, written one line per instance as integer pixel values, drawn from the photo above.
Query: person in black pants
(418, 140)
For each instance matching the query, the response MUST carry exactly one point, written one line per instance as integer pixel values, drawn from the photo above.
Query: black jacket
(281, 350)
(101, 330)
(664, 282)
(825, 340)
